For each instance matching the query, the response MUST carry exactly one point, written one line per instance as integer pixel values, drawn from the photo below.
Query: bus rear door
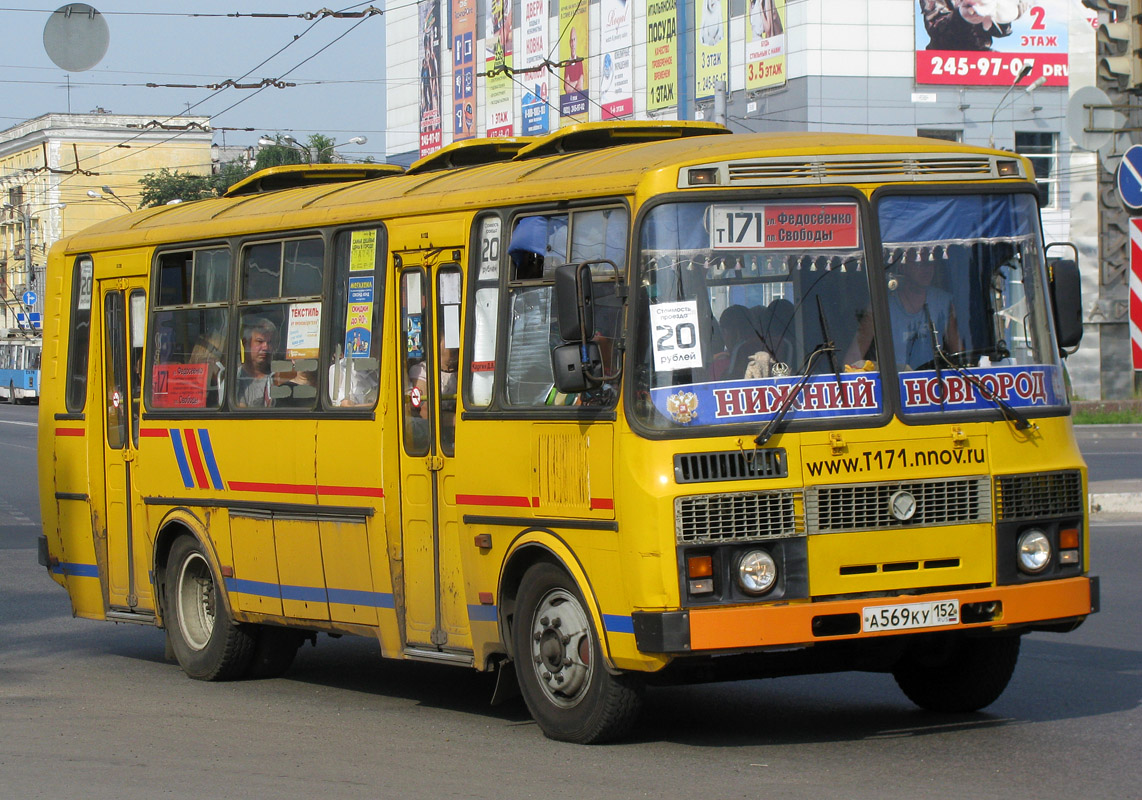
(124, 325)
(436, 611)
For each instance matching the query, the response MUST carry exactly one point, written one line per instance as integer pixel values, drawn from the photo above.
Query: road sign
(27, 322)
(1130, 178)
(1136, 291)
(29, 298)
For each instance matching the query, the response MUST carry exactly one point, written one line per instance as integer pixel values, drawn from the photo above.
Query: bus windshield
(740, 301)
(745, 304)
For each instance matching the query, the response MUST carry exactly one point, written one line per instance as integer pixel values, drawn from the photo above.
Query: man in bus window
(259, 337)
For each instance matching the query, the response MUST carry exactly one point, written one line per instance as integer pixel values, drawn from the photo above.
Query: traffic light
(1119, 43)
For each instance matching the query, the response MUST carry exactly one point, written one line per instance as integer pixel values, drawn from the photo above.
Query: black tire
(274, 652)
(559, 663)
(958, 674)
(206, 642)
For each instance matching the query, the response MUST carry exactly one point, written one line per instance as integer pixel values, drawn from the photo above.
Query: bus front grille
(736, 517)
(870, 506)
(730, 465)
(1040, 494)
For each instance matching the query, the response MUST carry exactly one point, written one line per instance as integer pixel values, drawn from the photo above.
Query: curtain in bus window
(917, 218)
(600, 234)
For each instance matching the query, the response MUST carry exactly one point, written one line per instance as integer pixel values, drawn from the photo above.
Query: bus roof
(610, 170)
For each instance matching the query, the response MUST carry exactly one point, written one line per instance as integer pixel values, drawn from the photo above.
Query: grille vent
(823, 170)
(1043, 494)
(736, 517)
(730, 465)
(954, 501)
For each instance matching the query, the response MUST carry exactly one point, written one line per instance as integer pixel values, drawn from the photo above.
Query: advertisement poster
(572, 46)
(534, 35)
(712, 43)
(616, 84)
(429, 52)
(303, 331)
(499, 86)
(179, 386)
(362, 250)
(463, 69)
(987, 42)
(359, 317)
(765, 44)
(661, 48)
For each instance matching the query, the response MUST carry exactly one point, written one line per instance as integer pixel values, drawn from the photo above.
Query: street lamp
(26, 218)
(109, 196)
(1023, 73)
(311, 153)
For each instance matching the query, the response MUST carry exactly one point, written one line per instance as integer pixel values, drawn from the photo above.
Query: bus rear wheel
(561, 673)
(958, 674)
(206, 641)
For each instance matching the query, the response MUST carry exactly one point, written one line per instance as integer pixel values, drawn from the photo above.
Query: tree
(160, 188)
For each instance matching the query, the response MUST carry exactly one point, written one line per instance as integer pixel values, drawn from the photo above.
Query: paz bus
(627, 404)
(20, 368)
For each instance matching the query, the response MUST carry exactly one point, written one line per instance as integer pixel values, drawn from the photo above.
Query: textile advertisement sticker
(303, 337)
(757, 227)
(676, 343)
(362, 250)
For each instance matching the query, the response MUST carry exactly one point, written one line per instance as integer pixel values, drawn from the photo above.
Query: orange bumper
(802, 623)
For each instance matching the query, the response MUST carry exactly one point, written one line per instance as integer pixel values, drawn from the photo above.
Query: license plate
(911, 615)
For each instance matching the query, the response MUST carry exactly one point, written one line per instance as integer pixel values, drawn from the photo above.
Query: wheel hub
(561, 647)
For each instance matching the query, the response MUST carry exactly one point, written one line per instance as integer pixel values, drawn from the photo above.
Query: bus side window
(358, 293)
(80, 339)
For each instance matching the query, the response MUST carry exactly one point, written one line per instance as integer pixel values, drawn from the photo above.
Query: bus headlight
(1034, 551)
(757, 572)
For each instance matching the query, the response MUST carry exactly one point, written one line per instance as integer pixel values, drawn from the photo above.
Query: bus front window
(967, 302)
(738, 301)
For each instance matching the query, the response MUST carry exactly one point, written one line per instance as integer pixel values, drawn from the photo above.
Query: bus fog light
(1068, 556)
(757, 572)
(1034, 551)
(704, 586)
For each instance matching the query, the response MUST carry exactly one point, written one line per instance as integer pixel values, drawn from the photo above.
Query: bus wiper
(787, 402)
(937, 351)
(1008, 411)
(829, 343)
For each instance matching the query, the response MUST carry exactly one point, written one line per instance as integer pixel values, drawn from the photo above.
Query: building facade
(60, 173)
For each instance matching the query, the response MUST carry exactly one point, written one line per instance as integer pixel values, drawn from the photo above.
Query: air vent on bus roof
(471, 153)
(598, 135)
(291, 176)
(849, 169)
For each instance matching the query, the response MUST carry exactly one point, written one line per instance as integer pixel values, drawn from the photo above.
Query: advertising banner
(428, 49)
(711, 57)
(573, 45)
(661, 49)
(534, 34)
(765, 44)
(616, 84)
(499, 86)
(463, 69)
(987, 42)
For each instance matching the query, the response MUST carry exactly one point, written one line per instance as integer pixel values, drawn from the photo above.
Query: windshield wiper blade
(792, 395)
(832, 347)
(1009, 412)
(937, 351)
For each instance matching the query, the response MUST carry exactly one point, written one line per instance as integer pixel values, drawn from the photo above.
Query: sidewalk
(1117, 497)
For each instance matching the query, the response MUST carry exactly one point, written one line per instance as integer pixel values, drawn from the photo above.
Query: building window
(946, 134)
(1040, 149)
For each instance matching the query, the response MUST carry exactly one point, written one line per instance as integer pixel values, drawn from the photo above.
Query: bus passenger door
(124, 326)
(436, 611)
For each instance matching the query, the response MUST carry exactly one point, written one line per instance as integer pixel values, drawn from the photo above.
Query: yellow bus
(628, 404)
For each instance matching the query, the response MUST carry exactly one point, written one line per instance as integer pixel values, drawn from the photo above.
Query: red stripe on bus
(195, 459)
(351, 491)
(154, 433)
(272, 488)
(70, 431)
(492, 500)
(602, 504)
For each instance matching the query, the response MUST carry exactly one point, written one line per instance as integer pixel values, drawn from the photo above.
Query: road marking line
(14, 422)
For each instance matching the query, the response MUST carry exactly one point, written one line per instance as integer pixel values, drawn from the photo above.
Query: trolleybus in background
(626, 404)
(20, 368)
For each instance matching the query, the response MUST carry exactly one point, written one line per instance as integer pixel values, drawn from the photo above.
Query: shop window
(1041, 149)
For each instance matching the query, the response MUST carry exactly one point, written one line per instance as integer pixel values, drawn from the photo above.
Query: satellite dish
(1080, 119)
(76, 37)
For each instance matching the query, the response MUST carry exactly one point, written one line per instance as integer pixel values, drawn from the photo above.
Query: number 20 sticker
(675, 335)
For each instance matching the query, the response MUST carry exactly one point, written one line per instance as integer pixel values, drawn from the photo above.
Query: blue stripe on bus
(482, 613)
(76, 570)
(617, 623)
(357, 597)
(208, 457)
(180, 457)
(352, 597)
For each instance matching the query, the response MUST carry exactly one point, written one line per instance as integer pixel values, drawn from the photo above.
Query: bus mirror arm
(574, 307)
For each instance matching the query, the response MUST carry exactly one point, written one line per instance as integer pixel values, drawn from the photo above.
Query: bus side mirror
(1066, 301)
(572, 364)
(575, 302)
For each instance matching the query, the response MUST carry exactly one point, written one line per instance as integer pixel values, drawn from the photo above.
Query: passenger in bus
(741, 338)
(418, 378)
(528, 248)
(255, 378)
(918, 310)
(353, 382)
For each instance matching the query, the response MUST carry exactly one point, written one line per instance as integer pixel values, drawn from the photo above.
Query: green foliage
(160, 188)
(277, 155)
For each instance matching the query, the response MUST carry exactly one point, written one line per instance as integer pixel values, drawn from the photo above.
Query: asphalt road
(91, 709)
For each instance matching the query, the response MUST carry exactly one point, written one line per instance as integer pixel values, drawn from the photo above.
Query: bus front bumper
(1049, 604)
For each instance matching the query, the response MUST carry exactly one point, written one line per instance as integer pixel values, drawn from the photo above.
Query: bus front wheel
(207, 642)
(560, 665)
(958, 674)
